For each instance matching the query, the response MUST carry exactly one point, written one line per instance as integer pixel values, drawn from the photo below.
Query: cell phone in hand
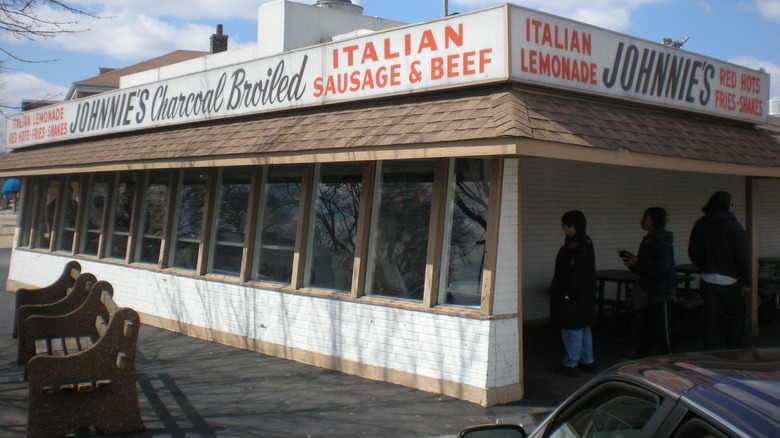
(625, 254)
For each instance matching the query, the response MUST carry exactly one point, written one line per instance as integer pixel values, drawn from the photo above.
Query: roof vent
(345, 5)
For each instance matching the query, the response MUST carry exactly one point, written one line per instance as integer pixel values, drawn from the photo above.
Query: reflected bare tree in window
(465, 254)
(192, 196)
(155, 210)
(335, 226)
(231, 220)
(400, 241)
(280, 221)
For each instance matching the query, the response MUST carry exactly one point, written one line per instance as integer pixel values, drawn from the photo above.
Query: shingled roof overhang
(506, 120)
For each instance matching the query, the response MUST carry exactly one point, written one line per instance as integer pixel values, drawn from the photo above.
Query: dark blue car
(708, 394)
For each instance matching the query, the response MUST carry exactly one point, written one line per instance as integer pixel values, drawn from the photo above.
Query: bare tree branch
(23, 19)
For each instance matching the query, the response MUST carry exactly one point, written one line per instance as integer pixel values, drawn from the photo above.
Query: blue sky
(745, 32)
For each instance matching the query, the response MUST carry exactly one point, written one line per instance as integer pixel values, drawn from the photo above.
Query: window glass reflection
(123, 211)
(70, 209)
(47, 208)
(464, 255)
(155, 207)
(31, 189)
(400, 230)
(335, 226)
(231, 220)
(281, 201)
(98, 190)
(191, 200)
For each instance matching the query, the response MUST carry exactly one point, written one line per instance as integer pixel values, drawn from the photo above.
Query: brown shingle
(508, 110)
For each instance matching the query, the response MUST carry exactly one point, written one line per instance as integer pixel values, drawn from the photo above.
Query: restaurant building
(385, 199)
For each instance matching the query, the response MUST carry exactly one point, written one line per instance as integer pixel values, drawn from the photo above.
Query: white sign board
(566, 54)
(462, 49)
(452, 52)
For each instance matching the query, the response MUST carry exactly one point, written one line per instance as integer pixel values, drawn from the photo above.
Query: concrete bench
(74, 298)
(82, 377)
(47, 294)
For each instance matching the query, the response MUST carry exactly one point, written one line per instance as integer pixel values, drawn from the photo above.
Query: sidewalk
(194, 388)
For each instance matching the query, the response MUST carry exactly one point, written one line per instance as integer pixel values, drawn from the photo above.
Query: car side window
(614, 410)
(695, 427)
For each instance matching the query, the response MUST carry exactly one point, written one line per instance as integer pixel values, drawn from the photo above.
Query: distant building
(108, 78)
(384, 199)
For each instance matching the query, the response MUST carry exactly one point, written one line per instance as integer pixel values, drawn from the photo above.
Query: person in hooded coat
(573, 295)
(720, 250)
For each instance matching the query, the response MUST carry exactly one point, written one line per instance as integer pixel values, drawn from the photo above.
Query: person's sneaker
(567, 371)
(587, 368)
(634, 355)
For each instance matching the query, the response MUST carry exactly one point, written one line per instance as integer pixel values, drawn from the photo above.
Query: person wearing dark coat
(573, 295)
(720, 249)
(656, 268)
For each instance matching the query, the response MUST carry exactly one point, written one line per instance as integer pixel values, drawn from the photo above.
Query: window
(230, 227)
(332, 239)
(278, 223)
(614, 410)
(97, 195)
(464, 240)
(47, 206)
(695, 427)
(189, 213)
(30, 189)
(70, 208)
(122, 212)
(399, 231)
(153, 216)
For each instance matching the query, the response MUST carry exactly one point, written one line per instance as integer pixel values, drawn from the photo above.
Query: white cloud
(609, 14)
(772, 69)
(769, 9)
(140, 29)
(16, 87)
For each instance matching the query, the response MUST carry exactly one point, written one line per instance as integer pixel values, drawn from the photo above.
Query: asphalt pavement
(193, 388)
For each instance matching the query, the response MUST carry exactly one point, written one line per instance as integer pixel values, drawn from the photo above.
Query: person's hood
(719, 217)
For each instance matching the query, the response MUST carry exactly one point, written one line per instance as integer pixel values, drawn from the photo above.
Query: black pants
(655, 328)
(724, 308)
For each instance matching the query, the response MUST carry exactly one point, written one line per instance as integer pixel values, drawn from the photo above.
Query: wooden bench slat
(85, 342)
(57, 349)
(42, 347)
(71, 345)
(101, 325)
(109, 302)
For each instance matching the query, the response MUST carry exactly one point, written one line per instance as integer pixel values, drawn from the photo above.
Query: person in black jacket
(720, 250)
(573, 295)
(657, 273)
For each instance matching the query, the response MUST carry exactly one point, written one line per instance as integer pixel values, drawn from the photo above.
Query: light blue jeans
(578, 344)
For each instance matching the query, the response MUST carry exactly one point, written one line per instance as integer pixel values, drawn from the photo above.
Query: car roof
(742, 387)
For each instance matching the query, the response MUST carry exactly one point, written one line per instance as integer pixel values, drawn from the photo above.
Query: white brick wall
(769, 217)
(613, 199)
(435, 346)
(505, 300)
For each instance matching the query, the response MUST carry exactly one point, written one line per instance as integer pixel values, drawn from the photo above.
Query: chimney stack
(219, 42)
(344, 5)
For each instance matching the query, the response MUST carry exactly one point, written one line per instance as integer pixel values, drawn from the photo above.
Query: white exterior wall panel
(613, 199)
(436, 346)
(505, 301)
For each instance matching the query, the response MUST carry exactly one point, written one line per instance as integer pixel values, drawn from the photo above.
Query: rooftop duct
(345, 5)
